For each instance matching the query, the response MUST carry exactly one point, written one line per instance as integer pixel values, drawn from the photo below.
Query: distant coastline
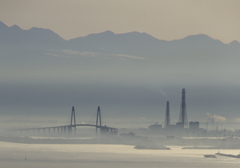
(185, 143)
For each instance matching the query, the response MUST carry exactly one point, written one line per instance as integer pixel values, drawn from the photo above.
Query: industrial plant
(182, 126)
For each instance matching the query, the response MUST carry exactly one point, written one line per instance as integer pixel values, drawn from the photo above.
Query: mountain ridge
(131, 69)
(134, 44)
(16, 27)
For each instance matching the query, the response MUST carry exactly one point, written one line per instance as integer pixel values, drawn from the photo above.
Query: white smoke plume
(215, 118)
(237, 120)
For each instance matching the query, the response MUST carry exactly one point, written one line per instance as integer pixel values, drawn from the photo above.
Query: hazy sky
(43, 84)
(163, 19)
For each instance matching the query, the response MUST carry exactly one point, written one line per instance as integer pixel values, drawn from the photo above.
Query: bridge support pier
(104, 130)
(69, 129)
(75, 130)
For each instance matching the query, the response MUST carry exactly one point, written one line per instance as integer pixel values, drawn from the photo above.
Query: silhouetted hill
(39, 68)
(3, 26)
(133, 43)
(129, 43)
(35, 37)
(106, 49)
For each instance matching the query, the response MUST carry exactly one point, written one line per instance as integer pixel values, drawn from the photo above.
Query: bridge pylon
(98, 118)
(68, 128)
(73, 120)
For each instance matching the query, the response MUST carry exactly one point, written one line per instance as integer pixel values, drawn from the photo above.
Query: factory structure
(181, 125)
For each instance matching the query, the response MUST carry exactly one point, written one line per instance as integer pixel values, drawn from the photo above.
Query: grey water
(107, 156)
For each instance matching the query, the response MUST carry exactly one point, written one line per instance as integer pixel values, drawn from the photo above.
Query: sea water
(107, 156)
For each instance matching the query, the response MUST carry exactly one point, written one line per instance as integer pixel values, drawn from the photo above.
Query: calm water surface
(107, 156)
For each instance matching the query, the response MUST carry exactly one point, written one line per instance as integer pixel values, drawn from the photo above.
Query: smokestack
(183, 113)
(167, 117)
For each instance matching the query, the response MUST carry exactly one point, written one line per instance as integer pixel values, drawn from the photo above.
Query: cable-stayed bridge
(72, 127)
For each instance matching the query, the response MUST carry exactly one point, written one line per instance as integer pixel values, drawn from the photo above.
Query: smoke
(142, 119)
(215, 118)
(237, 120)
(158, 89)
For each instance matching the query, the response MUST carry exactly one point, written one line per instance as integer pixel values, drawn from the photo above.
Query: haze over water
(130, 57)
(107, 156)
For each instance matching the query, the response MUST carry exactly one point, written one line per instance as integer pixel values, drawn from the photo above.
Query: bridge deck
(62, 126)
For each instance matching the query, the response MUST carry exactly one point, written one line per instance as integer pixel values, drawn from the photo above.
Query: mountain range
(136, 52)
(133, 43)
(130, 68)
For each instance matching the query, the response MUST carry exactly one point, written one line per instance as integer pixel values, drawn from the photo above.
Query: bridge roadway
(68, 128)
(65, 128)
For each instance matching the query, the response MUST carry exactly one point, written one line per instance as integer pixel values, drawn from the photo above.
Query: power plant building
(155, 127)
(194, 125)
